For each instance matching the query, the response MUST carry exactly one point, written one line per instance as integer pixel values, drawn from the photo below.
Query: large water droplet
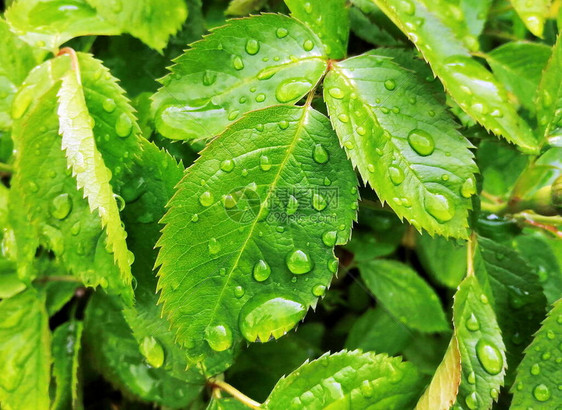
(268, 72)
(336, 93)
(329, 238)
(265, 163)
(541, 392)
(319, 154)
(61, 206)
(396, 174)
(440, 207)
(261, 270)
(269, 315)
(421, 142)
(206, 199)
(472, 401)
(319, 290)
(219, 337)
(292, 89)
(252, 46)
(319, 202)
(152, 351)
(489, 356)
(299, 262)
(468, 187)
(123, 125)
(390, 84)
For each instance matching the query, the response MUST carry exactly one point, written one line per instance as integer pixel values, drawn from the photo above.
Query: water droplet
(336, 93)
(283, 124)
(292, 89)
(468, 187)
(195, 218)
(120, 202)
(214, 246)
(265, 315)
(209, 78)
(239, 291)
(308, 45)
(260, 97)
(219, 337)
(343, 118)
(292, 205)
(281, 32)
(546, 356)
(489, 356)
(333, 265)
(396, 174)
(541, 392)
(75, 229)
(484, 299)
(123, 125)
(361, 131)
(265, 163)
(390, 84)
(206, 199)
(319, 202)
(259, 127)
(252, 46)
(319, 154)
(268, 72)
(307, 7)
(109, 105)
(227, 165)
(472, 401)
(232, 115)
(370, 168)
(244, 172)
(299, 262)
(61, 206)
(319, 290)
(261, 270)
(535, 369)
(471, 378)
(348, 145)
(329, 238)
(440, 207)
(237, 63)
(494, 394)
(472, 323)
(421, 142)
(229, 201)
(152, 351)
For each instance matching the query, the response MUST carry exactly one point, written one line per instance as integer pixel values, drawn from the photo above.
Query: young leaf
(516, 294)
(473, 87)
(258, 216)
(480, 345)
(248, 64)
(329, 20)
(443, 259)
(88, 167)
(151, 21)
(519, 65)
(66, 354)
(404, 295)
(533, 13)
(443, 389)
(25, 357)
(348, 380)
(403, 142)
(549, 95)
(538, 376)
(43, 24)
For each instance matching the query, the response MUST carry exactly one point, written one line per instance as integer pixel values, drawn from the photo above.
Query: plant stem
(470, 254)
(238, 395)
(6, 168)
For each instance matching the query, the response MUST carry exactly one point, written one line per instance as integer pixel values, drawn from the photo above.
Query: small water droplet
(109, 105)
(229, 201)
(472, 323)
(396, 174)
(206, 199)
(281, 32)
(319, 290)
(319, 154)
(343, 118)
(219, 337)
(214, 246)
(227, 165)
(252, 46)
(265, 163)
(283, 124)
(348, 145)
(239, 291)
(336, 93)
(260, 97)
(471, 378)
(333, 265)
(299, 262)
(120, 202)
(238, 63)
(308, 45)
(61, 206)
(489, 356)
(535, 369)
(541, 392)
(195, 218)
(329, 238)
(261, 270)
(468, 187)
(124, 125)
(361, 131)
(209, 78)
(152, 351)
(390, 84)
(421, 142)
(75, 229)
(319, 202)
(472, 401)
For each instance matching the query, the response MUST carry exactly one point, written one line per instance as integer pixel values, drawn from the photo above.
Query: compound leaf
(403, 142)
(25, 357)
(348, 379)
(329, 20)
(246, 222)
(480, 344)
(49, 23)
(473, 87)
(151, 21)
(533, 13)
(245, 65)
(404, 295)
(537, 384)
(66, 355)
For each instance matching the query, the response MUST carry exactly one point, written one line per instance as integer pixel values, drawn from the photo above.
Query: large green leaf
(516, 294)
(248, 64)
(66, 355)
(473, 87)
(348, 380)
(49, 23)
(404, 295)
(533, 13)
(549, 95)
(481, 346)
(519, 65)
(25, 352)
(403, 142)
(329, 20)
(152, 21)
(247, 245)
(443, 259)
(538, 376)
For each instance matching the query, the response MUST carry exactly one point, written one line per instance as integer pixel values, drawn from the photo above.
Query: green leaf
(348, 380)
(16, 60)
(66, 355)
(10, 283)
(258, 216)
(117, 355)
(58, 294)
(519, 65)
(443, 259)
(88, 167)
(226, 404)
(451, 14)
(369, 23)
(47, 24)
(404, 295)
(329, 20)
(403, 142)
(245, 65)
(516, 295)
(25, 358)
(533, 13)
(549, 95)
(443, 389)
(480, 344)
(473, 87)
(475, 13)
(538, 376)
(151, 21)
(243, 7)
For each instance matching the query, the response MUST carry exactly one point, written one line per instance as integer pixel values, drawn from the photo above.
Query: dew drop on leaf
(123, 125)
(239, 291)
(152, 351)
(319, 290)
(541, 392)
(237, 63)
(299, 262)
(260, 97)
(292, 89)
(468, 188)
(227, 165)
(421, 142)
(396, 174)
(206, 199)
(329, 238)
(61, 206)
(265, 163)
(261, 270)
(472, 323)
(440, 207)
(120, 202)
(319, 202)
(308, 45)
(219, 337)
(209, 77)
(472, 401)
(489, 357)
(535, 369)
(343, 118)
(390, 84)
(281, 32)
(319, 154)
(333, 265)
(471, 378)
(214, 246)
(109, 105)
(252, 46)
(292, 205)
(336, 92)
